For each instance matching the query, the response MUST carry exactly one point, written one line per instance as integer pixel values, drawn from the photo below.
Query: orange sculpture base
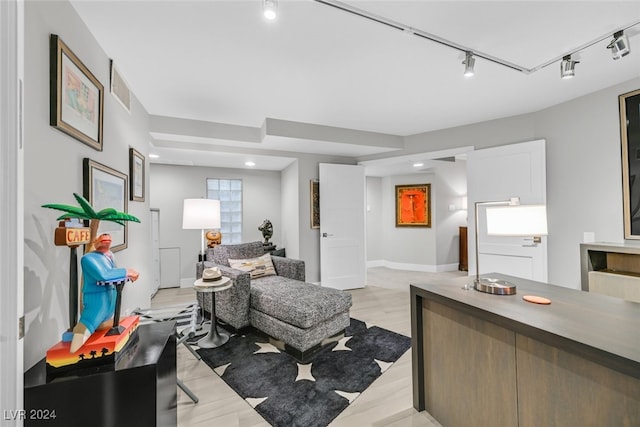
(99, 350)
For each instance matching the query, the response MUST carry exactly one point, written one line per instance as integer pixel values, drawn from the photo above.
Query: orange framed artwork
(413, 205)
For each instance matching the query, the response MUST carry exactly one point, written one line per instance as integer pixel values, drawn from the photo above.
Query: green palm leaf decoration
(86, 212)
(106, 212)
(85, 205)
(110, 214)
(72, 211)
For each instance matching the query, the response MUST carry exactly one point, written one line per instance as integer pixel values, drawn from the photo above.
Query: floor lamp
(508, 218)
(201, 214)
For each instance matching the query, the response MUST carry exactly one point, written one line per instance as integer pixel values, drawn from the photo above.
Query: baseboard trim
(412, 267)
(187, 283)
(376, 263)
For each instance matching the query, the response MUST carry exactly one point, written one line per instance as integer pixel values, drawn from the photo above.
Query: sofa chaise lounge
(298, 315)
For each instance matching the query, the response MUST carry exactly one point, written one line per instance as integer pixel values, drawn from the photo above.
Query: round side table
(214, 338)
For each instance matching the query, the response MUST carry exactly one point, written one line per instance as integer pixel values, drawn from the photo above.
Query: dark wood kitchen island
(497, 360)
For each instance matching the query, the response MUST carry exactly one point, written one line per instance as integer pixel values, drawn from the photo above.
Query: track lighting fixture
(469, 62)
(270, 9)
(619, 45)
(568, 67)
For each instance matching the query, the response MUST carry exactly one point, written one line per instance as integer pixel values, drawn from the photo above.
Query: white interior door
(155, 250)
(342, 226)
(497, 174)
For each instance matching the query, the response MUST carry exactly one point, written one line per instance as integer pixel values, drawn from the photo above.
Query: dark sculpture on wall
(267, 230)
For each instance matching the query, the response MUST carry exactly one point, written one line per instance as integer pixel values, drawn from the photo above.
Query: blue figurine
(100, 275)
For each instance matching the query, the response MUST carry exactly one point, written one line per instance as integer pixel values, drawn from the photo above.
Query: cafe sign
(71, 236)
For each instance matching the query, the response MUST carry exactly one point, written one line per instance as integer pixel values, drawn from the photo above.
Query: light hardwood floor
(387, 402)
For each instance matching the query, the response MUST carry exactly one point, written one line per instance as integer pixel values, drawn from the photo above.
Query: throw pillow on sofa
(256, 267)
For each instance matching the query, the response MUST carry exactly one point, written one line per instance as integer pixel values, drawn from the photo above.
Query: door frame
(12, 214)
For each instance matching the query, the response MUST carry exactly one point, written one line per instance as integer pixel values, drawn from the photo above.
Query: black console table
(271, 249)
(279, 252)
(140, 390)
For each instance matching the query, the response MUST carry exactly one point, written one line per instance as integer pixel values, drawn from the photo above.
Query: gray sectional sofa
(300, 315)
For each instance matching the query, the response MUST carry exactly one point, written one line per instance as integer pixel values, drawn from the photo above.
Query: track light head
(270, 9)
(568, 67)
(619, 45)
(469, 62)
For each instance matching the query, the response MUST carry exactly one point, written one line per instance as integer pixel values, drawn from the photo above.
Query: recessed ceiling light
(418, 165)
(154, 156)
(249, 163)
(270, 9)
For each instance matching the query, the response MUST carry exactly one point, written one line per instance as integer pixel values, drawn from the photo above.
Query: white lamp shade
(201, 214)
(521, 220)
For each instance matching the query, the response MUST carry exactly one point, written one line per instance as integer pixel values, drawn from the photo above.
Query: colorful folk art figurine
(214, 238)
(100, 275)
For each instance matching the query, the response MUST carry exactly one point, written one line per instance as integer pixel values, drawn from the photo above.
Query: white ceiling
(222, 62)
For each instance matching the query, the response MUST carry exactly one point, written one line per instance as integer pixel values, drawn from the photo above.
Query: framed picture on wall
(315, 203)
(104, 188)
(76, 96)
(137, 175)
(630, 137)
(413, 205)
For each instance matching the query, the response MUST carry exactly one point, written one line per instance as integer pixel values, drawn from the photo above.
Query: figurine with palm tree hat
(100, 275)
(100, 302)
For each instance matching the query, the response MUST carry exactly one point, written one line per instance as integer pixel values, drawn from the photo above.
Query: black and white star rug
(288, 393)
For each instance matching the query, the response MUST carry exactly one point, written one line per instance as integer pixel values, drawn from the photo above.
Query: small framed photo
(119, 88)
(137, 175)
(76, 97)
(413, 205)
(104, 188)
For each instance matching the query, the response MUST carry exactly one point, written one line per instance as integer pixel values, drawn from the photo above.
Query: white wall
(407, 245)
(480, 135)
(584, 176)
(170, 185)
(450, 187)
(375, 239)
(416, 248)
(290, 216)
(53, 171)
(584, 181)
